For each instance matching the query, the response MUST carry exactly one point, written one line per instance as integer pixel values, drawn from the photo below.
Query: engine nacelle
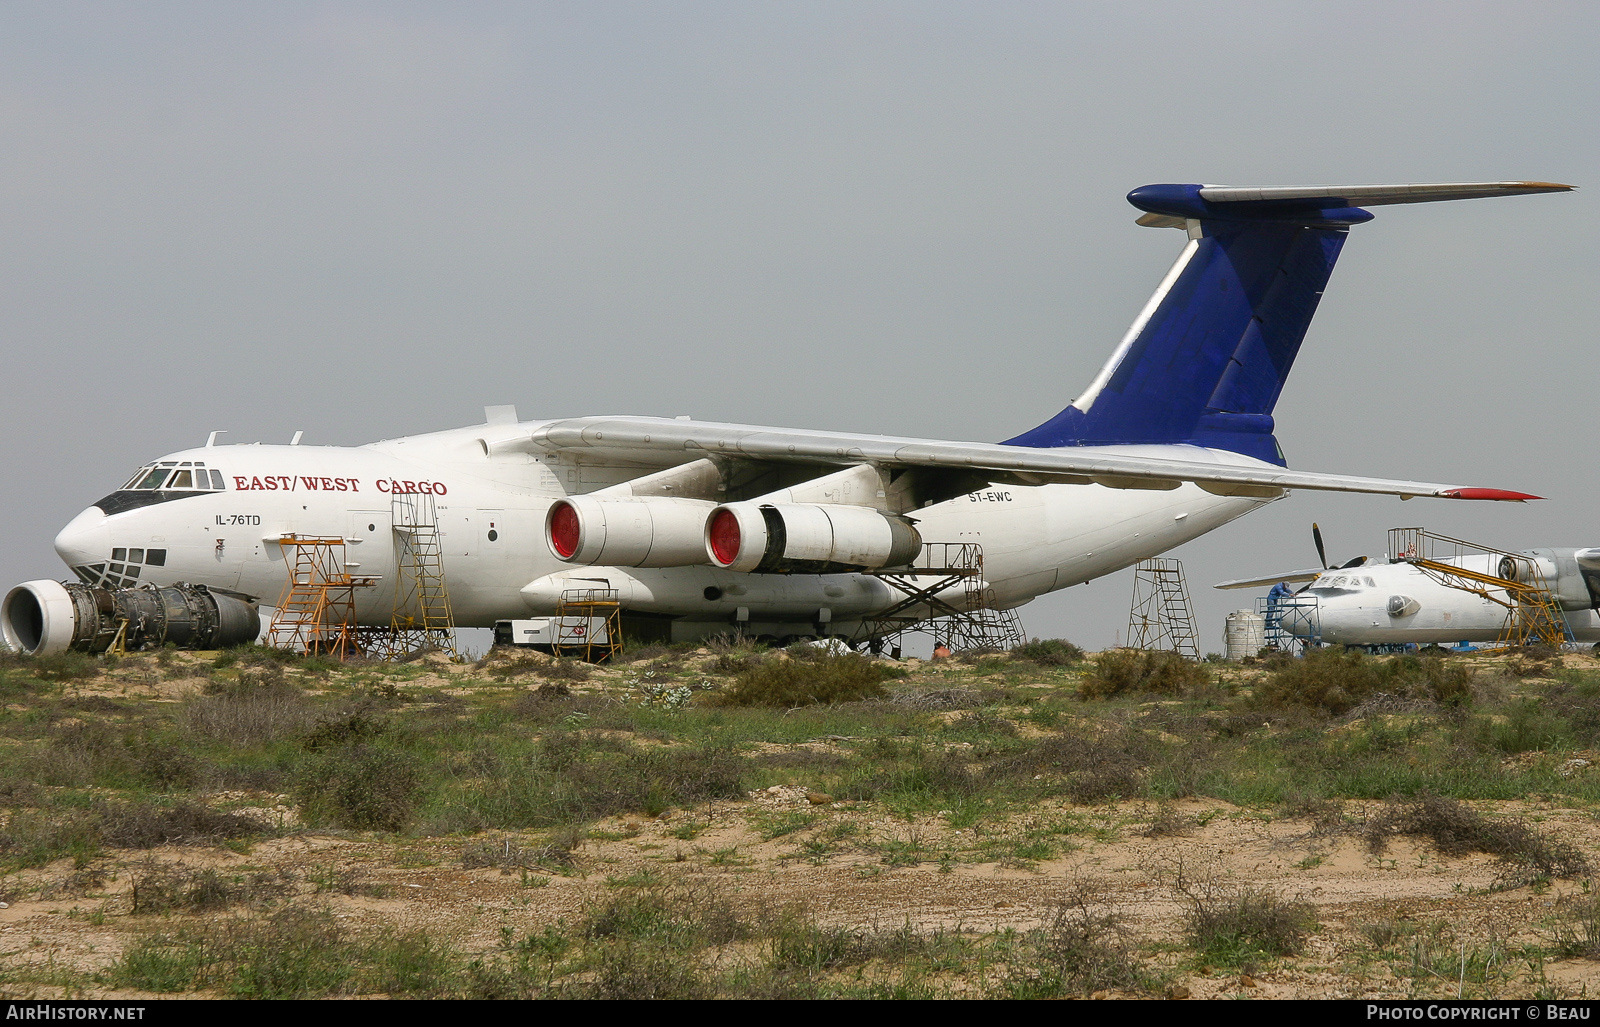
(44, 617)
(650, 532)
(1572, 574)
(806, 538)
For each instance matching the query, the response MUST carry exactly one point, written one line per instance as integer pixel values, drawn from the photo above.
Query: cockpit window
(190, 475)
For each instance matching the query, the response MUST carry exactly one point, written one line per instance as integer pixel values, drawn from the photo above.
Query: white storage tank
(1245, 634)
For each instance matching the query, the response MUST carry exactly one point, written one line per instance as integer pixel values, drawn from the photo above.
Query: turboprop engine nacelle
(807, 538)
(643, 532)
(1572, 574)
(44, 617)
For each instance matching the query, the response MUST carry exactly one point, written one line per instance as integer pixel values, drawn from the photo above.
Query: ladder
(422, 618)
(1162, 616)
(317, 611)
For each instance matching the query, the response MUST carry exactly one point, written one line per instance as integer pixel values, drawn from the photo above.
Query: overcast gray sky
(367, 220)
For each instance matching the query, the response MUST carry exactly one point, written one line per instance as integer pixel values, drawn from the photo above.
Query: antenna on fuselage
(296, 440)
(211, 440)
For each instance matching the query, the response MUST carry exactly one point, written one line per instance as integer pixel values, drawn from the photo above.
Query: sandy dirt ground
(80, 919)
(84, 925)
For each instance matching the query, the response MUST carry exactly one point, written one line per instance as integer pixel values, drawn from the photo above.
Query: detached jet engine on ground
(704, 527)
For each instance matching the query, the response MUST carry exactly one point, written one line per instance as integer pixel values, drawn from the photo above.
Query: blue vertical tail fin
(1206, 359)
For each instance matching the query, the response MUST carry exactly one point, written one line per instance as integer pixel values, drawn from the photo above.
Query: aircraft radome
(702, 527)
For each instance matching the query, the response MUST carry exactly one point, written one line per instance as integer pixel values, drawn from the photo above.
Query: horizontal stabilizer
(1324, 206)
(1375, 195)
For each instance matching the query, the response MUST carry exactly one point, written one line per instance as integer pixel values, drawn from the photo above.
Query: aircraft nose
(84, 539)
(1301, 621)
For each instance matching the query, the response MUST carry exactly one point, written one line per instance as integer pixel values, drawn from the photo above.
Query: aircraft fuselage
(492, 506)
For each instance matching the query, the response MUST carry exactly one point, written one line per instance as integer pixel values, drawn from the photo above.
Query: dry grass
(1457, 829)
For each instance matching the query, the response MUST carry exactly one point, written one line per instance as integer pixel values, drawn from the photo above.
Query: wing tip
(1496, 495)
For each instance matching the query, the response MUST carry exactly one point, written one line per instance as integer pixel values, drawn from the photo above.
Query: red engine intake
(807, 538)
(653, 531)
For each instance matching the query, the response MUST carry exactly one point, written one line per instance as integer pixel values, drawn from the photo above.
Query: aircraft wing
(1291, 576)
(652, 439)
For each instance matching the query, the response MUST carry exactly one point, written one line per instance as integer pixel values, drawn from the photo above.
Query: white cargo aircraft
(1370, 602)
(701, 527)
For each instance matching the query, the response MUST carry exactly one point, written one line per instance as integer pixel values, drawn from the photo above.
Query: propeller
(1322, 552)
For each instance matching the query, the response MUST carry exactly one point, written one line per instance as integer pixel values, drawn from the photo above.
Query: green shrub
(1576, 928)
(1528, 725)
(1088, 768)
(1122, 671)
(848, 677)
(164, 762)
(1336, 680)
(1081, 948)
(361, 787)
(65, 666)
(1232, 925)
(1048, 652)
(32, 838)
(249, 713)
(736, 655)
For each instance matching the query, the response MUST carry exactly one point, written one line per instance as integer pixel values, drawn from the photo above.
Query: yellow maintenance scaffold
(1532, 611)
(317, 611)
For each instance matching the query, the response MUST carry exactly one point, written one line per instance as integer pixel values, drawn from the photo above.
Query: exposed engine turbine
(44, 617)
(807, 538)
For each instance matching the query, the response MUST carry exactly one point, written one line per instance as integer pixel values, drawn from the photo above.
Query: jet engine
(44, 617)
(807, 538)
(656, 531)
